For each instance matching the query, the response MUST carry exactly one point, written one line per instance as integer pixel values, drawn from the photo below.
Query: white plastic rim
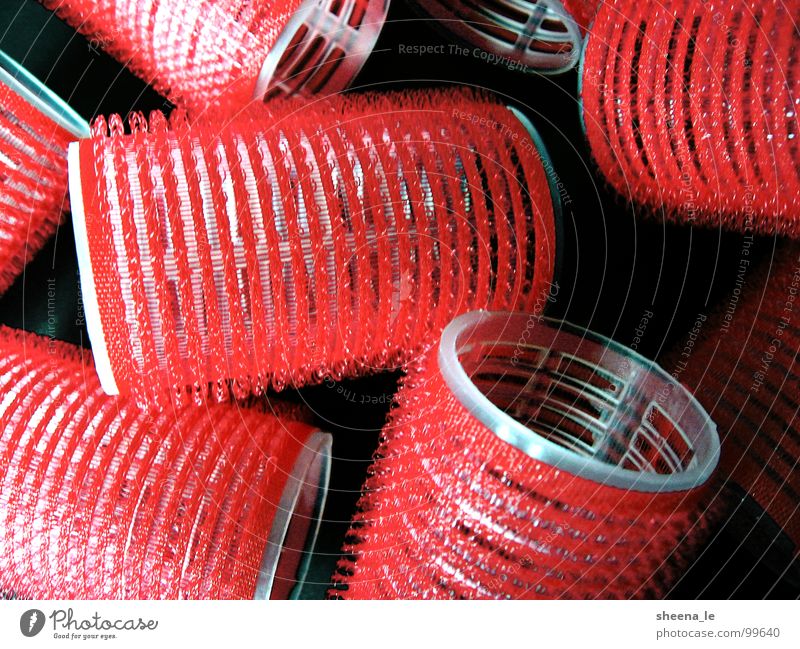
(94, 325)
(357, 43)
(573, 33)
(307, 485)
(581, 72)
(488, 328)
(537, 10)
(267, 73)
(41, 97)
(574, 37)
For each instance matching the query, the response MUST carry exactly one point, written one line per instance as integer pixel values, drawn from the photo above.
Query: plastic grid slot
(322, 50)
(102, 500)
(303, 243)
(690, 108)
(454, 509)
(538, 35)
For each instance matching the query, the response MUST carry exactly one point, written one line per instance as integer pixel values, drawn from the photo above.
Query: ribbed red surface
(582, 11)
(742, 364)
(198, 53)
(308, 242)
(100, 500)
(691, 106)
(33, 182)
(451, 511)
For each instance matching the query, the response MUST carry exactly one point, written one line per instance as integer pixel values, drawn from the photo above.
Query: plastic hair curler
(303, 243)
(35, 129)
(532, 35)
(527, 458)
(323, 48)
(690, 108)
(741, 362)
(224, 53)
(102, 500)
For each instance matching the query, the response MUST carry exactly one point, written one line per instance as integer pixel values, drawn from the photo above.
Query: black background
(614, 266)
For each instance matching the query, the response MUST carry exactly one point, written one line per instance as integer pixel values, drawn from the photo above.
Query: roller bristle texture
(450, 510)
(197, 53)
(581, 11)
(690, 109)
(101, 500)
(33, 182)
(286, 247)
(742, 364)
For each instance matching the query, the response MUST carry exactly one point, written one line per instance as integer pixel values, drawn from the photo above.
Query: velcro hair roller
(690, 108)
(531, 35)
(225, 53)
(741, 363)
(288, 246)
(526, 458)
(35, 129)
(102, 500)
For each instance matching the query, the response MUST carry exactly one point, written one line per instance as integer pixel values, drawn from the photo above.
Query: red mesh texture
(101, 500)
(690, 109)
(742, 364)
(530, 35)
(198, 53)
(33, 182)
(291, 246)
(582, 12)
(451, 511)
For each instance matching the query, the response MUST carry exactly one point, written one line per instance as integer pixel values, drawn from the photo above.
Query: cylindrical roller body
(304, 243)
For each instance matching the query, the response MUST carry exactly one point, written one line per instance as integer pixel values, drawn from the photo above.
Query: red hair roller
(531, 459)
(101, 500)
(533, 35)
(690, 108)
(742, 364)
(303, 243)
(224, 53)
(35, 129)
